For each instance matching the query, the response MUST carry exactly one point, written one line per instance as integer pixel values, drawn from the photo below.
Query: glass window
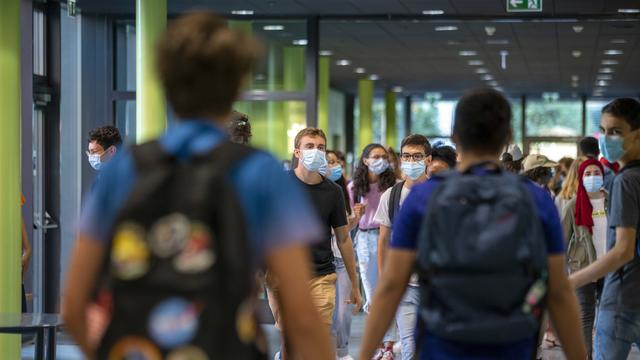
(282, 67)
(516, 121)
(432, 117)
(39, 42)
(377, 119)
(554, 118)
(274, 124)
(594, 112)
(401, 130)
(125, 56)
(125, 111)
(554, 150)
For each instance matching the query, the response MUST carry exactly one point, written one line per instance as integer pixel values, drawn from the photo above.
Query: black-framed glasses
(414, 156)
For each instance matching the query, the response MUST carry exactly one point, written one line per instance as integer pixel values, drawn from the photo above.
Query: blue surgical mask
(323, 168)
(413, 169)
(593, 183)
(611, 147)
(378, 166)
(336, 173)
(95, 161)
(313, 159)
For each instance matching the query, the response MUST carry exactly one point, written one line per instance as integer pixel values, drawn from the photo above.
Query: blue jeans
(406, 319)
(342, 314)
(367, 251)
(615, 332)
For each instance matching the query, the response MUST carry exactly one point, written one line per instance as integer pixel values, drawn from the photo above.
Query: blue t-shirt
(277, 211)
(405, 236)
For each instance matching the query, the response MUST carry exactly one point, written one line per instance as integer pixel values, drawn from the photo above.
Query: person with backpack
(618, 318)
(584, 220)
(415, 153)
(178, 226)
(443, 158)
(488, 249)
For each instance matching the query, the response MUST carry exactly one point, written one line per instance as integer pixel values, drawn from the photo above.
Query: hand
(355, 299)
(358, 210)
(572, 281)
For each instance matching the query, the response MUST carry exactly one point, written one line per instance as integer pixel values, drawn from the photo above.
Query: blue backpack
(482, 259)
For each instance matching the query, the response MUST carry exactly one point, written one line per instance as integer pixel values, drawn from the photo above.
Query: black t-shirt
(328, 202)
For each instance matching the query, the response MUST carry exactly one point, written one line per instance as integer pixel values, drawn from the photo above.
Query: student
(344, 310)
(569, 186)
(442, 158)
(561, 170)
(481, 129)
(415, 153)
(102, 146)
(372, 177)
(328, 201)
(537, 168)
(618, 322)
(589, 147)
(240, 128)
(512, 159)
(394, 163)
(584, 220)
(145, 232)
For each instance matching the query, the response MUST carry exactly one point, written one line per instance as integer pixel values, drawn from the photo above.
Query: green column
(151, 108)
(323, 94)
(365, 103)
(390, 116)
(295, 116)
(10, 217)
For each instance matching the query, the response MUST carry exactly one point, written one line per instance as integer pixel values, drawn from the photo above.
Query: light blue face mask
(336, 173)
(413, 169)
(611, 147)
(593, 183)
(378, 166)
(313, 160)
(95, 161)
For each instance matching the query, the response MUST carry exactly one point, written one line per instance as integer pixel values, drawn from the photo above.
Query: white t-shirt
(599, 226)
(382, 217)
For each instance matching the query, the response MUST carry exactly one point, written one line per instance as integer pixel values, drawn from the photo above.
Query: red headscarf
(615, 166)
(584, 210)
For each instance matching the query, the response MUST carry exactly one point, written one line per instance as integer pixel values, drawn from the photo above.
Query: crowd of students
(458, 257)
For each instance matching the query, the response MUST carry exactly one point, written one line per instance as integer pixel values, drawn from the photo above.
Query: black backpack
(178, 263)
(394, 200)
(482, 259)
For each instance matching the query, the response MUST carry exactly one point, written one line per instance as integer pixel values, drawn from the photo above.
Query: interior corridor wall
(336, 135)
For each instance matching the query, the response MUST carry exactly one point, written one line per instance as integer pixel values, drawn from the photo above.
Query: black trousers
(589, 297)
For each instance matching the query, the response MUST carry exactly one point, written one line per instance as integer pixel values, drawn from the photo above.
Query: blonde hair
(570, 184)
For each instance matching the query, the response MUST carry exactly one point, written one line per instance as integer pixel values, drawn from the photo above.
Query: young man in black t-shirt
(328, 201)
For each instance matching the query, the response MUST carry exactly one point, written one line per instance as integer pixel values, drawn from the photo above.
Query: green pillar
(151, 108)
(365, 103)
(323, 94)
(10, 217)
(390, 116)
(295, 116)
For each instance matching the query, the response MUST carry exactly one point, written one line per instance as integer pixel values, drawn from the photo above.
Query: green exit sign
(524, 5)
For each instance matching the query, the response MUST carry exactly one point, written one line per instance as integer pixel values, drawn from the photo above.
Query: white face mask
(313, 159)
(95, 161)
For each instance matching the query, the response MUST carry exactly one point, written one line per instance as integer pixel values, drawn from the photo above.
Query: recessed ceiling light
(476, 62)
(360, 70)
(618, 41)
(432, 12)
(493, 83)
(453, 43)
(613, 52)
(299, 42)
(629, 11)
(602, 83)
(575, 78)
(576, 53)
(606, 71)
(446, 28)
(242, 12)
(609, 62)
(575, 85)
(343, 62)
(325, 52)
(273, 27)
(487, 77)
(578, 28)
(374, 77)
(397, 89)
(498, 42)
(468, 53)
(604, 77)
(481, 71)
(490, 30)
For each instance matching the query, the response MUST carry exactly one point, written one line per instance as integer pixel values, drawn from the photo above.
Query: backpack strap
(394, 200)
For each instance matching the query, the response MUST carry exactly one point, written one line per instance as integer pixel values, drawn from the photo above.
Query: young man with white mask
(328, 200)
(415, 153)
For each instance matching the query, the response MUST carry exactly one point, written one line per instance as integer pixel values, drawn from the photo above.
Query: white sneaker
(348, 357)
(277, 356)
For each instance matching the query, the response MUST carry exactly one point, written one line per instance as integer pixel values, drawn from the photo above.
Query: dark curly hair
(361, 176)
(540, 175)
(106, 136)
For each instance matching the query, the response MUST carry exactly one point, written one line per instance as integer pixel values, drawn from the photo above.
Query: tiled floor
(67, 351)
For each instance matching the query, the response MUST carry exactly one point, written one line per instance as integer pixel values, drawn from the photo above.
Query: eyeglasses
(415, 156)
